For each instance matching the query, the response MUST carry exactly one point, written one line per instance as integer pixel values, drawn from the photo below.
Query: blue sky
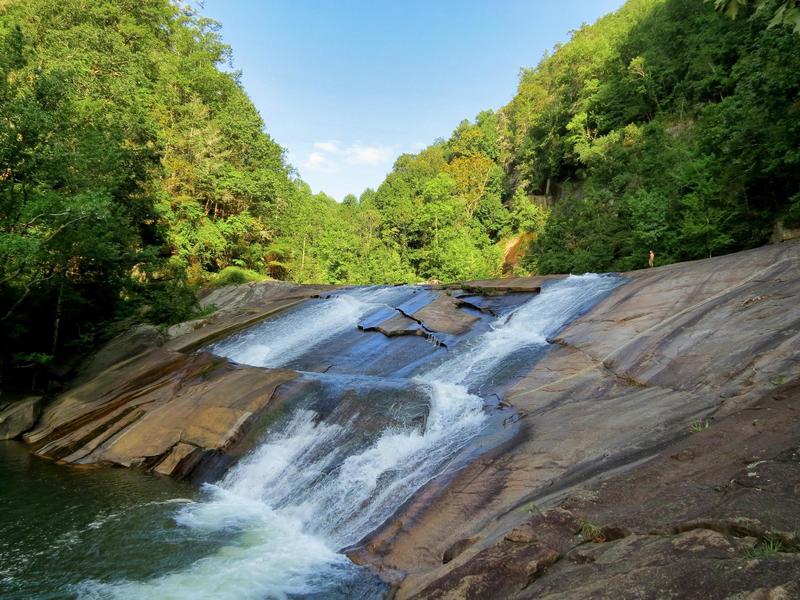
(348, 85)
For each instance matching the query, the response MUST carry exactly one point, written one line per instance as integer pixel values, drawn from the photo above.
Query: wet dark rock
(19, 416)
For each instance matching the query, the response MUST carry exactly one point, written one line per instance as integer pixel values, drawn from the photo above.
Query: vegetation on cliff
(133, 166)
(663, 126)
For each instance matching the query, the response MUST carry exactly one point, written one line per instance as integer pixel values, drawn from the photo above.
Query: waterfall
(309, 489)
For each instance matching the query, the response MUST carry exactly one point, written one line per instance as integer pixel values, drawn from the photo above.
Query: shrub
(235, 276)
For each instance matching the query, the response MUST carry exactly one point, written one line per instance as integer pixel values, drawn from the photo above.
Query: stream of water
(275, 524)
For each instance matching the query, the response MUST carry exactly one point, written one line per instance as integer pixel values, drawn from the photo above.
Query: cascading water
(309, 490)
(277, 342)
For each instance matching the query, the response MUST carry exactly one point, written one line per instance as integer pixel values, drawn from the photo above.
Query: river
(367, 429)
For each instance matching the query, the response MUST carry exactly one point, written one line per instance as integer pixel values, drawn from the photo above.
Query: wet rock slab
(677, 345)
(148, 400)
(163, 411)
(144, 402)
(442, 317)
(425, 313)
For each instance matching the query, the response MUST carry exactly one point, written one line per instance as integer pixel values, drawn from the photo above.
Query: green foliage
(591, 532)
(133, 166)
(236, 275)
(784, 12)
(771, 545)
(129, 159)
(665, 127)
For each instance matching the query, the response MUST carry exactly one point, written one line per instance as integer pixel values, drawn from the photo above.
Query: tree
(785, 12)
(474, 177)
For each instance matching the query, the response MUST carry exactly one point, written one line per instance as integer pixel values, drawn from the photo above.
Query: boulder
(428, 314)
(19, 416)
(444, 315)
(398, 324)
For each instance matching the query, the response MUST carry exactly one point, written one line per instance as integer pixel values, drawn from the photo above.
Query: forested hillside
(134, 168)
(664, 126)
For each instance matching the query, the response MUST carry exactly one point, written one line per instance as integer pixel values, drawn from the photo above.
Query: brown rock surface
(513, 563)
(680, 343)
(162, 411)
(399, 324)
(505, 286)
(19, 416)
(721, 524)
(126, 345)
(664, 424)
(444, 315)
(143, 402)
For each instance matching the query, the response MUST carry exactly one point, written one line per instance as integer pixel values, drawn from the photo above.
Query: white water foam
(277, 342)
(529, 325)
(305, 493)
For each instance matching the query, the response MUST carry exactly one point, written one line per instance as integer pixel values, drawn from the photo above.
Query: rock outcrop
(145, 401)
(150, 400)
(19, 416)
(676, 349)
(163, 411)
(434, 316)
(654, 451)
(712, 515)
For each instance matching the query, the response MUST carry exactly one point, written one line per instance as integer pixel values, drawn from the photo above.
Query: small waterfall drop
(309, 489)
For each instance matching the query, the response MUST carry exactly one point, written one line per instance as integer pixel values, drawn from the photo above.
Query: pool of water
(61, 525)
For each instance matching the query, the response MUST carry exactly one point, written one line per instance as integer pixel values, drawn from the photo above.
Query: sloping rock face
(144, 401)
(238, 306)
(678, 349)
(151, 400)
(164, 411)
(714, 515)
(654, 451)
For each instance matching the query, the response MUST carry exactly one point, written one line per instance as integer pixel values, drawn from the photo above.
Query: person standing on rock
(651, 261)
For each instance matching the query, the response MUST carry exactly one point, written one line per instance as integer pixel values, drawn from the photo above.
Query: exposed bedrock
(163, 411)
(145, 401)
(151, 400)
(703, 353)
(654, 451)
